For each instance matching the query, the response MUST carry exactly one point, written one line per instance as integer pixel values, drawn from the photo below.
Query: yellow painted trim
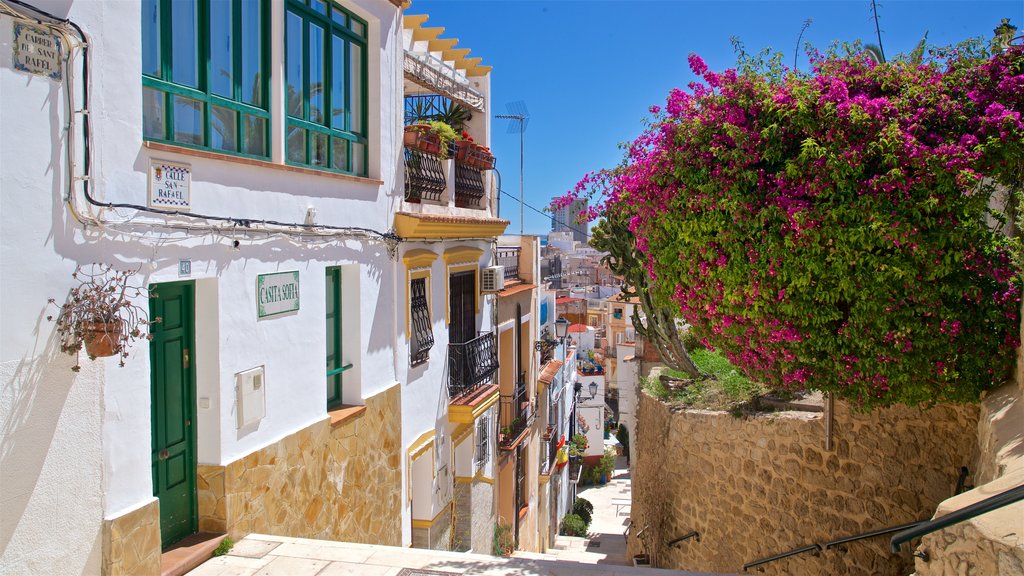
(485, 479)
(466, 414)
(420, 34)
(464, 479)
(410, 21)
(442, 44)
(464, 63)
(543, 479)
(409, 226)
(462, 254)
(430, 523)
(479, 71)
(425, 441)
(460, 434)
(456, 54)
(419, 258)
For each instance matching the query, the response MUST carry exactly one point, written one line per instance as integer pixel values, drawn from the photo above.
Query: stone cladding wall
(760, 485)
(131, 542)
(335, 482)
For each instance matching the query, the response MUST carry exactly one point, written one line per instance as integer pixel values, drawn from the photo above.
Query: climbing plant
(848, 229)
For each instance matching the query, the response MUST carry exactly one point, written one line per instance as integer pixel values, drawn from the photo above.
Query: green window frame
(332, 314)
(325, 87)
(205, 75)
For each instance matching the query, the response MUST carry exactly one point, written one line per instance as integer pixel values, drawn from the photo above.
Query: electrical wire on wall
(187, 223)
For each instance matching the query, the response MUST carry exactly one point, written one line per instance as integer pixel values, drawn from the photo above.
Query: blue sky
(588, 70)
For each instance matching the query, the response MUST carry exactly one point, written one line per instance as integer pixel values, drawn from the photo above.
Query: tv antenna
(518, 117)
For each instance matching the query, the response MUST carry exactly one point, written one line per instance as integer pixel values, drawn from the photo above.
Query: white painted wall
(91, 430)
(627, 382)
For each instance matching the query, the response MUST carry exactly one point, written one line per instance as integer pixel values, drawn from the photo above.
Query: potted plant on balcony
(431, 137)
(99, 314)
(472, 154)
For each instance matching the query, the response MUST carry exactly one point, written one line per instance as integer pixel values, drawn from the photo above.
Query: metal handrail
(684, 537)
(872, 534)
(794, 552)
(966, 513)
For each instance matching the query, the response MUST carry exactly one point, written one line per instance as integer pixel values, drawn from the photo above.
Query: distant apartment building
(567, 220)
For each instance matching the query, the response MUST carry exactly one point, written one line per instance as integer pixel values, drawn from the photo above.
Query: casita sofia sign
(277, 293)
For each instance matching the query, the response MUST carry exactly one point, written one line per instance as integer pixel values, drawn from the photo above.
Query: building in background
(567, 219)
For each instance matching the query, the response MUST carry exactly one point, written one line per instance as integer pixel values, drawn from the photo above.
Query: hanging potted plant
(99, 314)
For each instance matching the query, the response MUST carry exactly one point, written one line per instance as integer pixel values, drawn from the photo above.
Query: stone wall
(761, 485)
(336, 482)
(131, 542)
(484, 517)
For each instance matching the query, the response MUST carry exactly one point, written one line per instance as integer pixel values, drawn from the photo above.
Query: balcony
(424, 176)
(469, 186)
(508, 256)
(471, 364)
(514, 416)
(548, 454)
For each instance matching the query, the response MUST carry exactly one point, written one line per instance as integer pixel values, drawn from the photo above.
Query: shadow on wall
(46, 412)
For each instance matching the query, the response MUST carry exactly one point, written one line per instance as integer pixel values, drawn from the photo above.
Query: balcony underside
(431, 226)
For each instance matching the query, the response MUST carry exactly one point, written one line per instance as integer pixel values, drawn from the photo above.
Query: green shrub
(573, 525)
(224, 547)
(504, 544)
(584, 509)
(445, 133)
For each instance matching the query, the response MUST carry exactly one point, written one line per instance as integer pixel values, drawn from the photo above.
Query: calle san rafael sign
(277, 293)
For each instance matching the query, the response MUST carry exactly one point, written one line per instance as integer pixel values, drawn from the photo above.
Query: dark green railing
(966, 513)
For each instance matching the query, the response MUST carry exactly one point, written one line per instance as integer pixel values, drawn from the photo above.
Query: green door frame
(163, 452)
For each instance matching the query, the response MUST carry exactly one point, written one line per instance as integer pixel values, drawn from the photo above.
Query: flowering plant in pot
(472, 154)
(99, 313)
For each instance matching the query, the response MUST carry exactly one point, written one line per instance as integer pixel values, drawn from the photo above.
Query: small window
(422, 337)
(618, 313)
(482, 441)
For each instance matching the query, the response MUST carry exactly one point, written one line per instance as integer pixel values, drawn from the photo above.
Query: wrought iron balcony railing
(424, 176)
(548, 454)
(469, 186)
(471, 364)
(508, 256)
(514, 415)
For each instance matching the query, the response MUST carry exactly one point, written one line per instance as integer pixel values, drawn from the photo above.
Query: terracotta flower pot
(474, 155)
(102, 339)
(421, 137)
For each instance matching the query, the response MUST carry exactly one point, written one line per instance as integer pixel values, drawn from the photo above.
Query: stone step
(189, 553)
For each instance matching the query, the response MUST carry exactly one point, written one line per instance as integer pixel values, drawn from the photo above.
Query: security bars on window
(422, 335)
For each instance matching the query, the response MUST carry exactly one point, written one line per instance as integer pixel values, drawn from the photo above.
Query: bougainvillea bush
(840, 229)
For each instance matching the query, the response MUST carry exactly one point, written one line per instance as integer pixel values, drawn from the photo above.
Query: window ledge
(339, 416)
(163, 147)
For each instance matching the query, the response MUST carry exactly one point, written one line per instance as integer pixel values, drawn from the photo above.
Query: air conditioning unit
(492, 279)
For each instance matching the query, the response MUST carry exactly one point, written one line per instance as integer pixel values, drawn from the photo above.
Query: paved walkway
(262, 555)
(605, 544)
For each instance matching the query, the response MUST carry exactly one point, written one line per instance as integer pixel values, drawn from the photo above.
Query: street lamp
(561, 328)
(593, 390)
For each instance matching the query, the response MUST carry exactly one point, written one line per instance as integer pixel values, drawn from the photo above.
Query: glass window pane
(339, 154)
(151, 37)
(337, 83)
(184, 42)
(223, 128)
(338, 16)
(255, 135)
(319, 151)
(188, 120)
(293, 64)
(356, 82)
(153, 117)
(252, 54)
(359, 158)
(296, 145)
(318, 6)
(221, 48)
(316, 74)
(358, 27)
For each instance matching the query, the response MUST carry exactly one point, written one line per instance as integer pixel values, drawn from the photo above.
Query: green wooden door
(173, 409)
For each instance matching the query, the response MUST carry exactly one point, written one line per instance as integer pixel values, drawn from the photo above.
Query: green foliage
(444, 132)
(224, 547)
(606, 465)
(578, 445)
(504, 543)
(622, 435)
(573, 525)
(725, 389)
(585, 510)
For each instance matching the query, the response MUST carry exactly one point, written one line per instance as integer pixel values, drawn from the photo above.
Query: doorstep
(189, 553)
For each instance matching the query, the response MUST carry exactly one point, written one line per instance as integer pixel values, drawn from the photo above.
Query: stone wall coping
(786, 414)
(1004, 525)
(340, 415)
